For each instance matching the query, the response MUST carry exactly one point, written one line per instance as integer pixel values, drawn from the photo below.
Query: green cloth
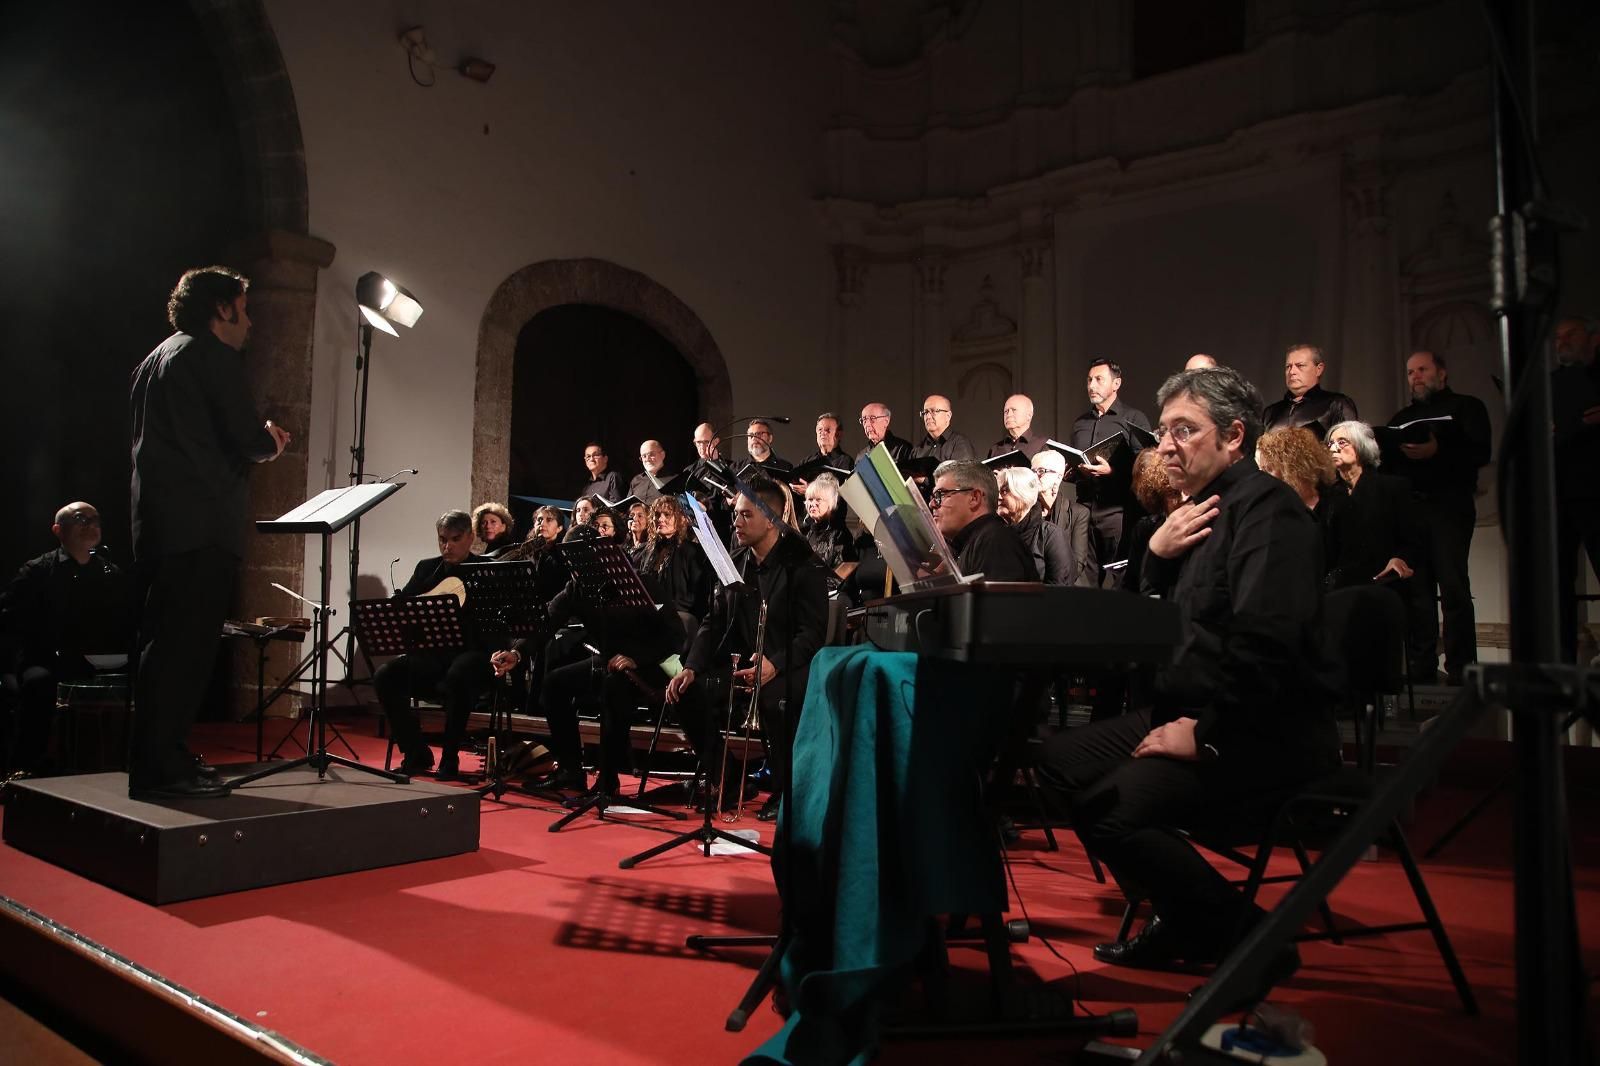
(884, 831)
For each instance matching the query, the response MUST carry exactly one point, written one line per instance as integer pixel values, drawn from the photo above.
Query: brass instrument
(752, 714)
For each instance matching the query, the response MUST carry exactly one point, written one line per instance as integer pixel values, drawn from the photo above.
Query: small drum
(91, 726)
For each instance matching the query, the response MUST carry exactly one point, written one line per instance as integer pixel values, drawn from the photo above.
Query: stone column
(282, 268)
(1037, 335)
(930, 340)
(1368, 363)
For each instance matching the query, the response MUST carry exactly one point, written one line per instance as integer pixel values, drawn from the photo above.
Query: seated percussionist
(1242, 716)
(779, 568)
(456, 675)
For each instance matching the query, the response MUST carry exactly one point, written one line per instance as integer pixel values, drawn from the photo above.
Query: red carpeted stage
(537, 948)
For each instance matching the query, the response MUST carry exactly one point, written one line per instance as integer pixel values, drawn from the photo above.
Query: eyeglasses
(1182, 433)
(939, 495)
(926, 411)
(81, 518)
(594, 455)
(867, 420)
(1339, 445)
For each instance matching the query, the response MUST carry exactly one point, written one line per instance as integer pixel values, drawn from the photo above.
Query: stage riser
(293, 830)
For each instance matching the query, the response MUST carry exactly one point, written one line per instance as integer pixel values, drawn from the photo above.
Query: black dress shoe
(205, 769)
(449, 768)
(769, 810)
(1155, 947)
(185, 788)
(560, 781)
(417, 763)
(1280, 969)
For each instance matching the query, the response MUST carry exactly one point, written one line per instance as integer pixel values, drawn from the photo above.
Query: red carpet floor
(538, 949)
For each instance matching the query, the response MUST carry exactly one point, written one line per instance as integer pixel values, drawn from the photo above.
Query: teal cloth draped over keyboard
(884, 830)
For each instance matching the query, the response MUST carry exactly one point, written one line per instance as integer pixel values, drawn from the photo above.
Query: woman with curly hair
(1298, 459)
(677, 562)
(1154, 491)
(492, 524)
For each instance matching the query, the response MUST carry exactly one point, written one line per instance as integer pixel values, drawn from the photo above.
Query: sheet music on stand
(503, 599)
(899, 520)
(332, 510)
(400, 627)
(605, 575)
(711, 544)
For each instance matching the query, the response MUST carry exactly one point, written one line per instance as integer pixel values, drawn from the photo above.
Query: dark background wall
(120, 170)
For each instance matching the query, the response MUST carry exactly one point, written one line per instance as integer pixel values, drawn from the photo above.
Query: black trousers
(1128, 813)
(1577, 526)
(457, 679)
(619, 697)
(1448, 522)
(703, 713)
(1105, 533)
(186, 601)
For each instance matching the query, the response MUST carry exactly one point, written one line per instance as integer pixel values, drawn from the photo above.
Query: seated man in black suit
(457, 675)
(1242, 718)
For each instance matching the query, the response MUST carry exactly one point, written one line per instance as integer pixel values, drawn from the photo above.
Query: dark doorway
(122, 168)
(590, 373)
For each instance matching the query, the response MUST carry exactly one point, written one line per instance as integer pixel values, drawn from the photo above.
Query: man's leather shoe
(1280, 969)
(559, 781)
(205, 769)
(185, 788)
(1155, 947)
(769, 810)
(449, 767)
(417, 763)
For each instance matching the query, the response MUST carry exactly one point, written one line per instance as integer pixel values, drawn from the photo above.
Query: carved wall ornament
(930, 276)
(984, 322)
(850, 266)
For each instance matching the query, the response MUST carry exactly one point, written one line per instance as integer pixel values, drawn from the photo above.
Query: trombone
(752, 713)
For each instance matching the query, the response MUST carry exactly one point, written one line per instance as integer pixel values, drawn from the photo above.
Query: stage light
(382, 302)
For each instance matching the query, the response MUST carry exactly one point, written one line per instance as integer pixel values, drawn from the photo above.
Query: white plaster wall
(679, 141)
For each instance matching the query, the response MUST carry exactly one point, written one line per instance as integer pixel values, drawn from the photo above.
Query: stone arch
(552, 283)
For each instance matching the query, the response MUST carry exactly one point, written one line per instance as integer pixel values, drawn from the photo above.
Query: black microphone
(782, 420)
(396, 559)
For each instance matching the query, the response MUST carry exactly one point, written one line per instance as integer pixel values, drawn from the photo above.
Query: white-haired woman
(1019, 505)
(1375, 535)
(827, 538)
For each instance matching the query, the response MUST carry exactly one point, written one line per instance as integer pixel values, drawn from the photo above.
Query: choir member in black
(874, 421)
(1106, 488)
(1021, 435)
(828, 449)
(583, 509)
(964, 497)
(1050, 466)
(1306, 404)
(1018, 505)
(709, 464)
(603, 481)
(1199, 361)
(1299, 459)
(1575, 404)
(677, 562)
(457, 676)
(196, 433)
(1242, 717)
(939, 440)
(758, 443)
(646, 485)
(830, 541)
(1374, 535)
(1442, 469)
(777, 567)
(64, 604)
(605, 522)
(638, 539)
(624, 671)
(493, 526)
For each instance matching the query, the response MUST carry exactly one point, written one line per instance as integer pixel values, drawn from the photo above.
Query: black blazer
(1377, 522)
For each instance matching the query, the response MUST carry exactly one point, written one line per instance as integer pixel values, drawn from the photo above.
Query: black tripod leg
(692, 836)
(760, 986)
(1466, 819)
(339, 760)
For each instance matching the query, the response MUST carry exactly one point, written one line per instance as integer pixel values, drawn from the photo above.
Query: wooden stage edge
(90, 990)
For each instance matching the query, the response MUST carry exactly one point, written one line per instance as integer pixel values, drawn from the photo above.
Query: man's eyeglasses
(594, 455)
(867, 420)
(81, 518)
(926, 411)
(939, 495)
(1182, 433)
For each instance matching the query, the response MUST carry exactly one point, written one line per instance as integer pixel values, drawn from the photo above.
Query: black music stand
(503, 604)
(324, 514)
(608, 590)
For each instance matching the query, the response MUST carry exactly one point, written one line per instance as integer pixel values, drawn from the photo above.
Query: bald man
(67, 602)
(1020, 436)
(939, 440)
(1199, 361)
(647, 486)
(874, 421)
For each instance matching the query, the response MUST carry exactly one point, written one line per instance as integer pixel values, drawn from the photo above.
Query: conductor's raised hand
(676, 686)
(1185, 527)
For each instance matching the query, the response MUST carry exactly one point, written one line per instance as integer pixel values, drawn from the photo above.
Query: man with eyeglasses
(66, 603)
(603, 482)
(758, 443)
(940, 441)
(874, 422)
(964, 497)
(646, 486)
(1242, 717)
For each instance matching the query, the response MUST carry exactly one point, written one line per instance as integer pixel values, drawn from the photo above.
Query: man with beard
(646, 486)
(1106, 487)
